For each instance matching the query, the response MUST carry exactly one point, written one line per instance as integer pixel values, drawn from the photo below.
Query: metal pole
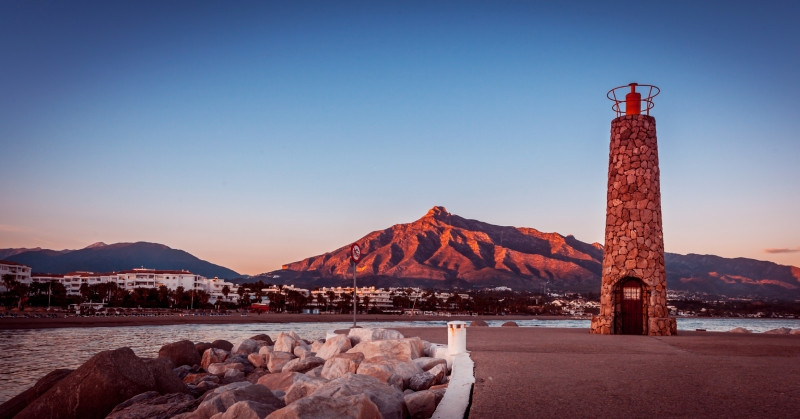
(355, 297)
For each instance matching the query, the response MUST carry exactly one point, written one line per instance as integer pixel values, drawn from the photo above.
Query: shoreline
(168, 320)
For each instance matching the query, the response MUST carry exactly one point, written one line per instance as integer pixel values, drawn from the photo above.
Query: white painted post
(456, 338)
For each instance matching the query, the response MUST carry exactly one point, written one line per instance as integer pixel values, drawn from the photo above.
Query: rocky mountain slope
(445, 250)
(101, 257)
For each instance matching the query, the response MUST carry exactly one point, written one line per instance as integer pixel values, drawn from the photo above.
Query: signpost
(355, 256)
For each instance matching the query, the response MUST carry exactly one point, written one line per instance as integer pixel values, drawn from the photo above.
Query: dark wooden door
(631, 307)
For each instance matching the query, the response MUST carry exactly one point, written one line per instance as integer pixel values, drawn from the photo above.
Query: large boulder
(303, 386)
(358, 335)
(213, 356)
(509, 324)
(246, 347)
(334, 345)
(388, 399)
(224, 397)
(303, 364)
(277, 360)
(180, 353)
(739, 330)
(152, 405)
(478, 323)
(341, 364)
(406, 349)
(166, 380)
(18, 402)
(383, 368)
(95, 388)
(355, 406)
(279, 381)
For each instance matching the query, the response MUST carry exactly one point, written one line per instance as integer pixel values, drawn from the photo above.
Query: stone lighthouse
(633, 296)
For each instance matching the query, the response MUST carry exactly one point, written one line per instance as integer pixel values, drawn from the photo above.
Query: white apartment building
(146, 278)
(19, 272)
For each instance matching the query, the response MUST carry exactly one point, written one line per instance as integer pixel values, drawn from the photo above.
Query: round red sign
(355, 253)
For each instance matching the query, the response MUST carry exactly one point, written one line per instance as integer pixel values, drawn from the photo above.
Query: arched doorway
(629, 313)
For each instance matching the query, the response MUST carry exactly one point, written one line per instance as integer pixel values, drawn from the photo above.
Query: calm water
(27, 355)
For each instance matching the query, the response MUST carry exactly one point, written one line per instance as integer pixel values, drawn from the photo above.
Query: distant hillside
(444, 250)
(101, 257)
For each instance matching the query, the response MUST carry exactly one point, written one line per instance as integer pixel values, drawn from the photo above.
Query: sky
(257, 134)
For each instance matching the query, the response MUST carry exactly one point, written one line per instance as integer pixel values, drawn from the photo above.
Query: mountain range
(101, 258)
(445, 250)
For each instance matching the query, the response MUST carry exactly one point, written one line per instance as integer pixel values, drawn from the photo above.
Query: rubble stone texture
(634, 242)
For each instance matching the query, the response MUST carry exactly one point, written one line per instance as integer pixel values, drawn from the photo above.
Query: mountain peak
(96, 245)
(437, 212)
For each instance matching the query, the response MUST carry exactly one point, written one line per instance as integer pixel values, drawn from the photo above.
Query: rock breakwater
(364, 373)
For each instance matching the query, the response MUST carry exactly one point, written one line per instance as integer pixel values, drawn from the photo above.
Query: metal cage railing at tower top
(632, 103)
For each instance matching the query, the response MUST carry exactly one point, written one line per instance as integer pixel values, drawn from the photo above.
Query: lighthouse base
(656, 326)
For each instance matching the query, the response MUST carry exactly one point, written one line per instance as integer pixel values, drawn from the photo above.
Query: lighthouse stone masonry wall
(634, 242)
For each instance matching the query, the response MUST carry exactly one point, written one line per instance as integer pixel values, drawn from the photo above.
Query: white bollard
(456, 338)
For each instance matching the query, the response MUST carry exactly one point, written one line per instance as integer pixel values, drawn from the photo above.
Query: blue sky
(253, 135)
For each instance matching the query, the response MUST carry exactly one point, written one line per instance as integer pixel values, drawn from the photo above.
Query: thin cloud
(784, 250)
(6, 228)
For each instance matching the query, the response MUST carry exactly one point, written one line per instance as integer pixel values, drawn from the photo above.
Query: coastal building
(16, 271)
(633, 295)
(146, 278)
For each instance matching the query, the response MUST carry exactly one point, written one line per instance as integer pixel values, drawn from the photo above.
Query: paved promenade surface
(548, 373)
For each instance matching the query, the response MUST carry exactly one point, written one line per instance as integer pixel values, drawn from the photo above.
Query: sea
(27, 355)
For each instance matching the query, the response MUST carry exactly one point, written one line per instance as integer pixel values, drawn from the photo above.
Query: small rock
(427, 362)
(222, 344)
(277, 360)
(263, 338)
(257, 360)
(478, 323)
(246, 409)
(421, 405)
(739, 330)
(303, 364)
(509, 324)
(779, 331)
(285, 343)
(421, 381)
(213, 356)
